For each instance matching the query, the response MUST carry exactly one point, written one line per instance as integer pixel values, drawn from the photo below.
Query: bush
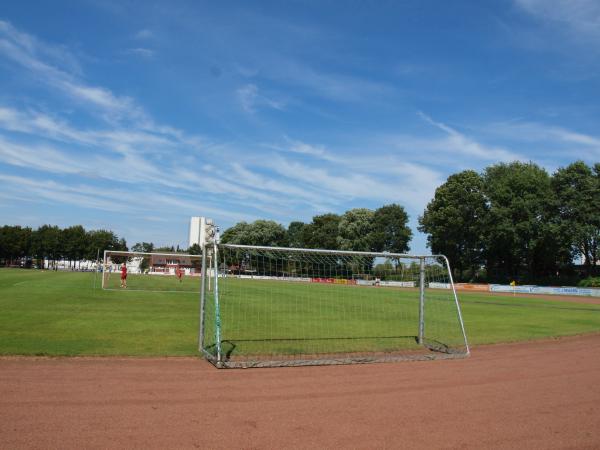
(590, 282)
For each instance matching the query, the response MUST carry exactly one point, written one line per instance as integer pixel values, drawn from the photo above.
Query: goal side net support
(274, 307)
(156, 272)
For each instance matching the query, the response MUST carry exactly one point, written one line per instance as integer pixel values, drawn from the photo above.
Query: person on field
(179, 273)
(123, 275)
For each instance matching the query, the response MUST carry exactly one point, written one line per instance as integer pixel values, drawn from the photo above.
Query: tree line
(514, 221)
(25, 246)
(359, 229)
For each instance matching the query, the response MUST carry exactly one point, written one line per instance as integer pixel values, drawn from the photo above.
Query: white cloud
(549, 138)
(42, 158)
(458, 143)
(579, 17)
(29, 53)
(247, 95)
(306, 149)
(120, 200)
(328, 85)
(300, 148)
(144, 34)
(250, 99)
(142, 52)
(569, 28)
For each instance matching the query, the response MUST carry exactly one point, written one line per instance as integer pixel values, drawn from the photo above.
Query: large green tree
(15, 243)
(100, 240)
(145, 247)
(295, 234)
(356, 230)
(520, 233)
(46, 243)
(577, 191)
(455, 221)
(259, 232)
(74, 243)
(390, 230)
(322, 232)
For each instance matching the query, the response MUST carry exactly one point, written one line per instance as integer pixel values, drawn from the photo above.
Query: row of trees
(516, 222)
(360, 229)
(22, 245)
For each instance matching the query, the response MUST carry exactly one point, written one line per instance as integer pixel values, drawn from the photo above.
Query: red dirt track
(536, 396)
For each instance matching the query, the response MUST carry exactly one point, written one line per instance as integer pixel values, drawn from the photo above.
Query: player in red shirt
(179, 273)
(123, 275)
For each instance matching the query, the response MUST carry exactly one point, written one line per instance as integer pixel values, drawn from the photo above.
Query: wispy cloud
(459, 143)
(55, 54)
(299, 147)
(144, 34)
(330, 85)
(549, 138)
(251, 99)
(28, 52)
(142, 52)
(120, 200)
(580, 18)
(306, 149)
(567, 28)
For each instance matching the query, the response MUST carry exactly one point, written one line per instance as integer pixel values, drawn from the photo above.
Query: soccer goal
(288, 307)
(156, 272)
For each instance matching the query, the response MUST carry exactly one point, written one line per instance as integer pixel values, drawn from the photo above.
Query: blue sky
(134, 116)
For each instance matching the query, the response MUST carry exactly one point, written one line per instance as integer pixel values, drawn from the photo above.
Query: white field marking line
(21, 282)
(146, 290)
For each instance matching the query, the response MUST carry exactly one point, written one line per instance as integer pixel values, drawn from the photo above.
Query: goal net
(161, 272)
(288, 307)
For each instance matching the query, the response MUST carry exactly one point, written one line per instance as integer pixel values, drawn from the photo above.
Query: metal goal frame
(220, 358)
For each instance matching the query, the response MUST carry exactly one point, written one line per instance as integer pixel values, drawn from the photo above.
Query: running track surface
(537, 395)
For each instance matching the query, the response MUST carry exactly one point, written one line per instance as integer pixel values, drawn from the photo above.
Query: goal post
(275, 306)
(155, 272)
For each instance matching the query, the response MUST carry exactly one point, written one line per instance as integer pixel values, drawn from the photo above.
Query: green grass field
(59, 313)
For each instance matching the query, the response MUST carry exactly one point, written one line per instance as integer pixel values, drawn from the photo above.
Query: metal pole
(421, 301)
(96, 271)
(202, 301)
(103, 268)
(460, 318)
(209, 278)
(217, 307)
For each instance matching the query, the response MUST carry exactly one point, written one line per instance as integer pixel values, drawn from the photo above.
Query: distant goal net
(288, 307)
(157, 272)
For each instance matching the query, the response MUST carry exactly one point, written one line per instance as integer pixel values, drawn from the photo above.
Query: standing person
(123, 275)
(179, 273)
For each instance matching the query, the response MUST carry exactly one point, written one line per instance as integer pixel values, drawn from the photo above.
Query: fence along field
(60, 314)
